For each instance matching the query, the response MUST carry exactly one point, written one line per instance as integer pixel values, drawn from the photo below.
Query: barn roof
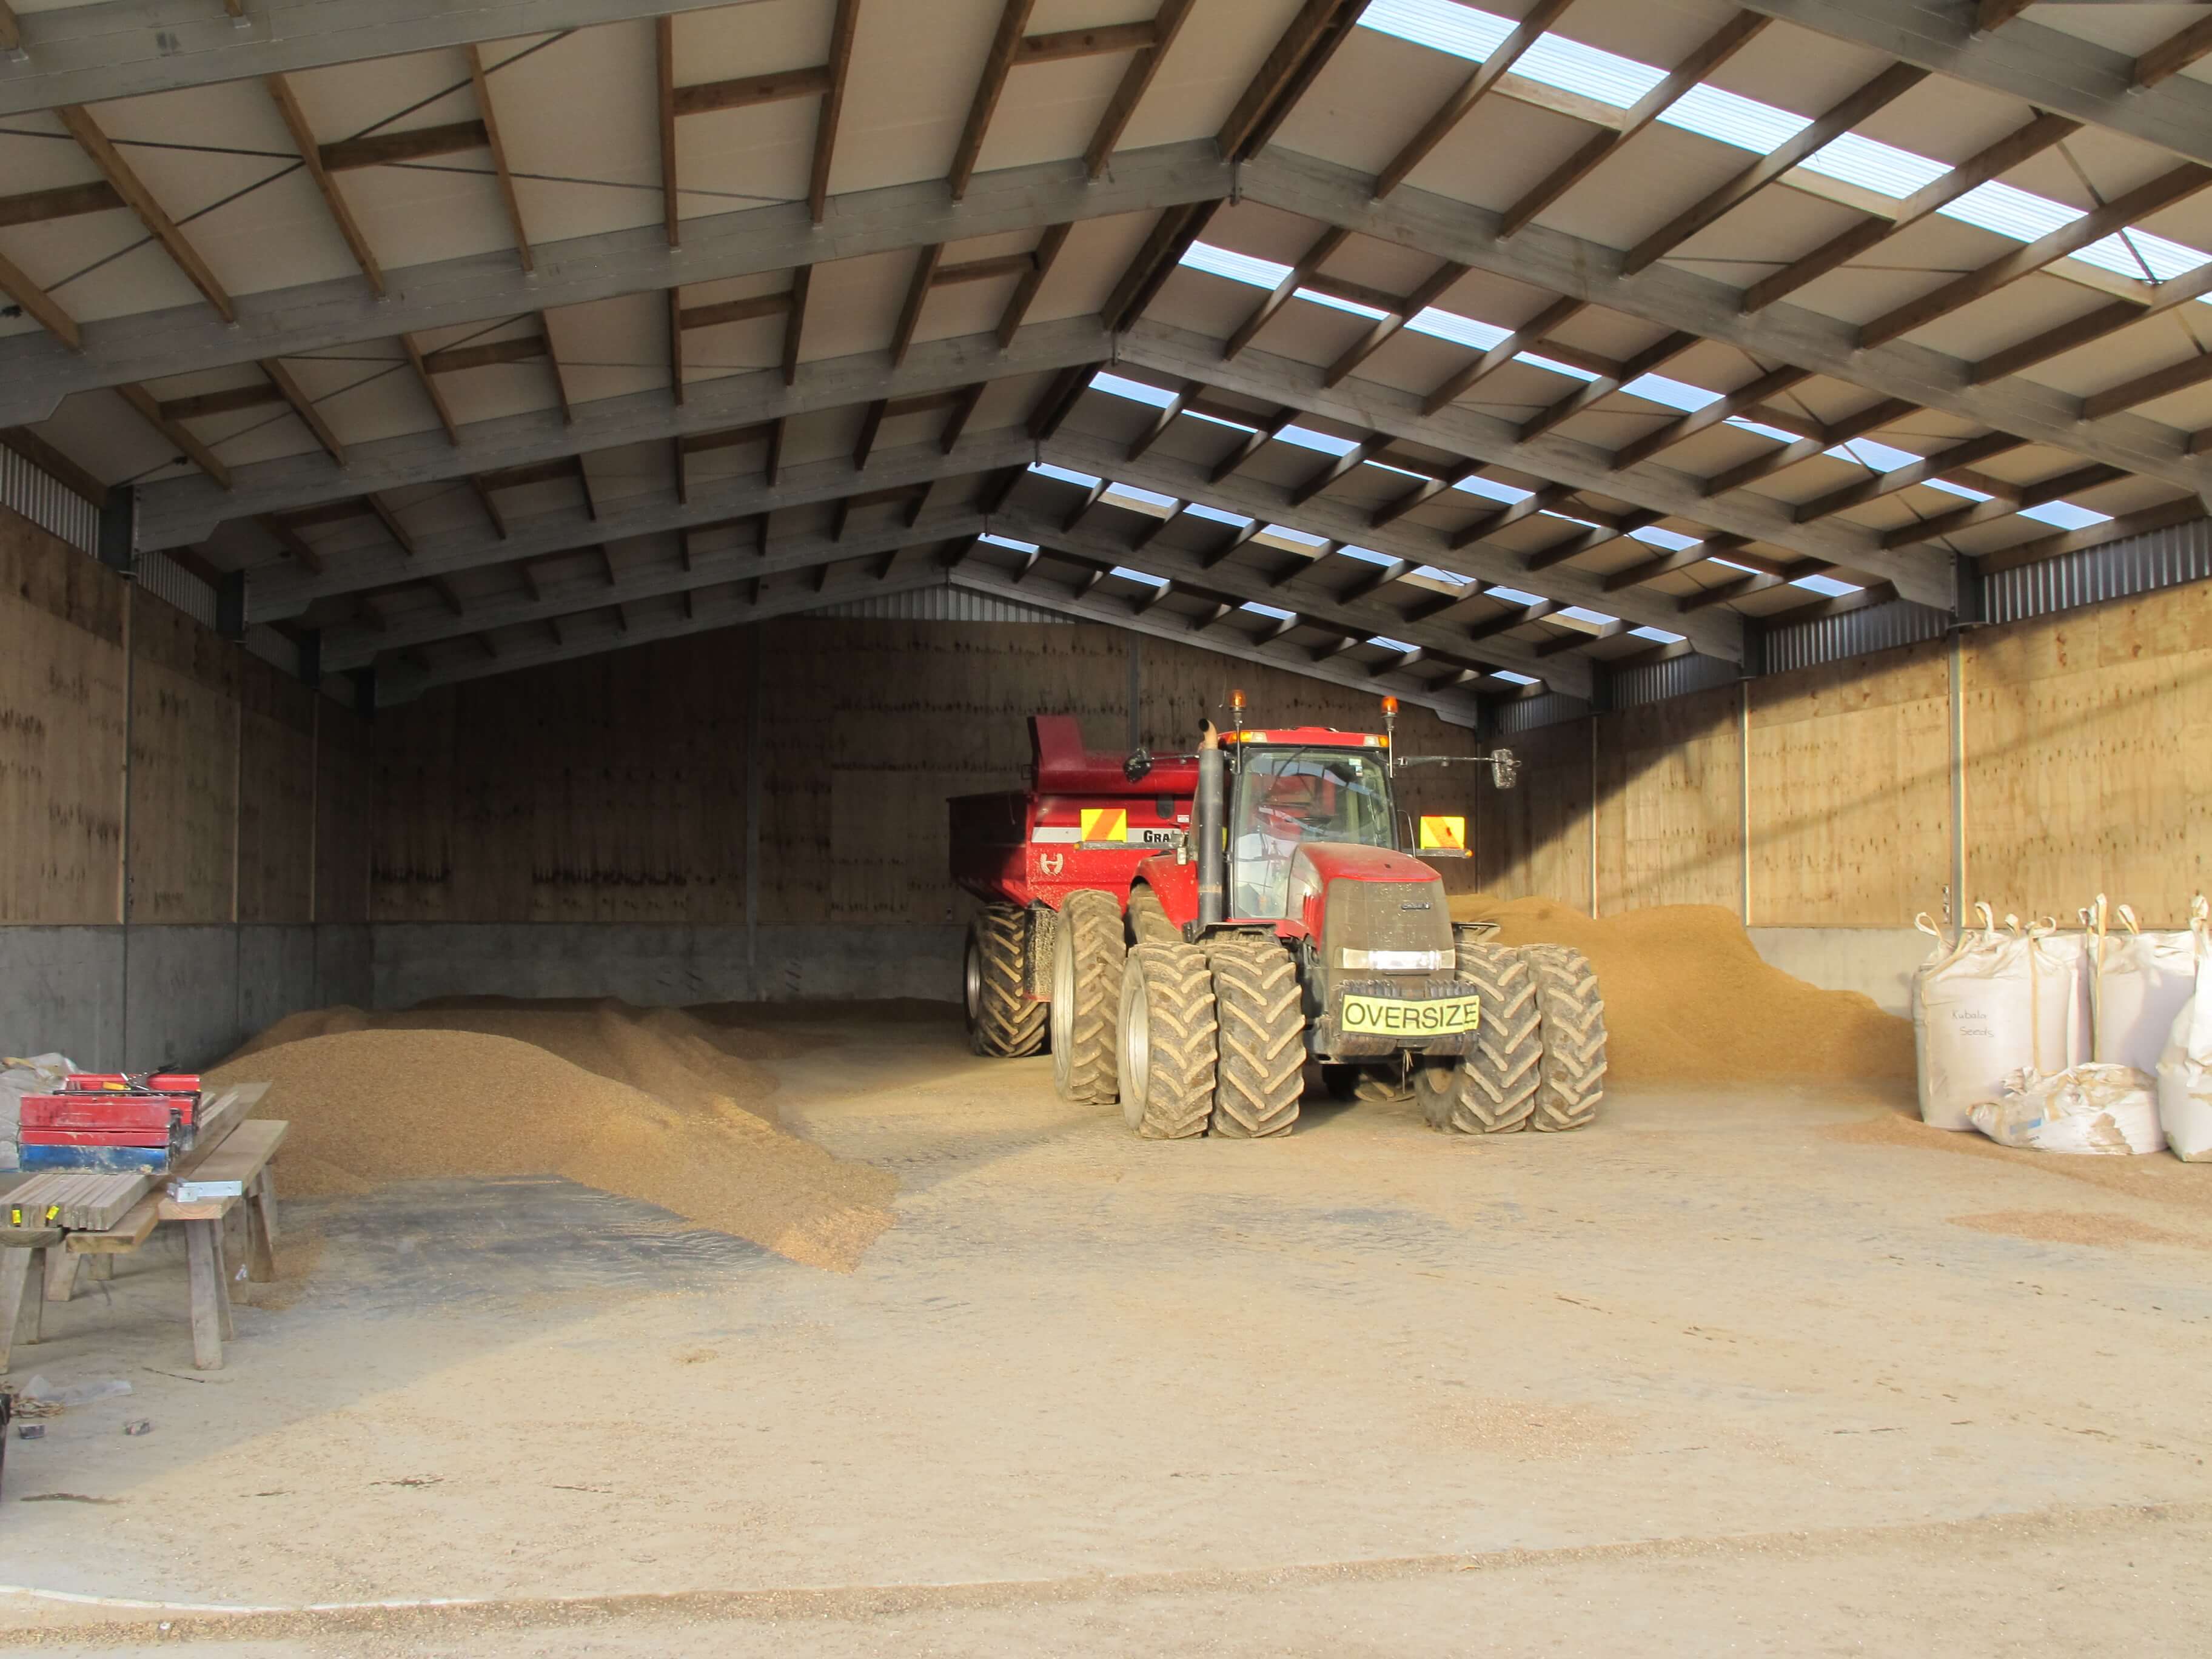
(1440, 347)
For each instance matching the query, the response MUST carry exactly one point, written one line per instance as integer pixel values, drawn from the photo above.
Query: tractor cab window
(1283, 799)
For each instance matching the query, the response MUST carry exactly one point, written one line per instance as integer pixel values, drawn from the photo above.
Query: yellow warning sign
(1444, 832)
(1105, 824)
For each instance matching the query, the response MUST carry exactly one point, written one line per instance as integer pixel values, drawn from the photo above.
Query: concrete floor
(1727, 1372)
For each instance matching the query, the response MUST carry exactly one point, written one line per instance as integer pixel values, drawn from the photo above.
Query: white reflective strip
(1071, 833)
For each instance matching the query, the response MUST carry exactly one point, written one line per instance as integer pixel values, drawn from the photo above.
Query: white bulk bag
(2185, 1069)
(1973, 1019)
(2085, 1109)
(2138, 982)
(2058, 997)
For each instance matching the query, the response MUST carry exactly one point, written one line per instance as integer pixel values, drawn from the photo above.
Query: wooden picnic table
(235, 1158)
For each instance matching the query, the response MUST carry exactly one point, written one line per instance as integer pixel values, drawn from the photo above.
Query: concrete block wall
(182, 994)
(661, 963)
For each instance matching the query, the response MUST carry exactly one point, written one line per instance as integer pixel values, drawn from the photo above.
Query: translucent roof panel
(1135, 391)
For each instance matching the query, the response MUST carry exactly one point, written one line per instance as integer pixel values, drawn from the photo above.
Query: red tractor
(1191, 931)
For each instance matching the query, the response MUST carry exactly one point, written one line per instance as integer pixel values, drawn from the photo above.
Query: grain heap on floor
(1689, 998)
(650, 1104)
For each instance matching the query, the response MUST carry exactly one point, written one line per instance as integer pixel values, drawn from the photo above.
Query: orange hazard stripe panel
(1105, 824)
(1444, 832)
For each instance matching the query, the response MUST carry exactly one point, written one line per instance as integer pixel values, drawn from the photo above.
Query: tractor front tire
(1262, 1040)
(1166, 1041)
(1491, 1088)
(1002, 1023)
(1086, 989)
(1571, 1082)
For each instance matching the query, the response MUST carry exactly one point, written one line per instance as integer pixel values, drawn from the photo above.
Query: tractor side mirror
(1139, 764)
(1505, 768)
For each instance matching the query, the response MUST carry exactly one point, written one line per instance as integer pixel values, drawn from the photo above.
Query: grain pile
(653, 1104)
(1689, 998)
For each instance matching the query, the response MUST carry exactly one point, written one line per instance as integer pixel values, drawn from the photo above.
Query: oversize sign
(1390, 1017)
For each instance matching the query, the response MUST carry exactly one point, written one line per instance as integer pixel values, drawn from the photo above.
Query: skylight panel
(1306, 438)
(1135, 391)
(1436, 575)
(1447, 26)
(2166, 260)
(1046, 469)
(1673, 541)
(1234, 426)
(1676, 394)
(1459, 331)
(1512, 678)
(1759, 128)
(1827, 585)
(1314, 296)
(1573, 67)
(1773, 432)
(2065, 515)
(1008, 541)
(1512, 596)
(1950, 488)
(1274, 610)
(1150, 497)
(1402, 471)
(1490, 490)
(1145, 577)
(1365, 555)
(1582, 613)
(1872, 164)
(1389, 644)
(1658, 634)
(1554, 365)
(1298, 536)
(1200, 510)
(1237, 267)
(1881, 457)
(1733, 565)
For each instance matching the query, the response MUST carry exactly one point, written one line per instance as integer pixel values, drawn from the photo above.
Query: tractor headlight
(1400, 962)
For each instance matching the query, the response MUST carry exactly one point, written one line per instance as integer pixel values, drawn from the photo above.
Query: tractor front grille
(1385, 915)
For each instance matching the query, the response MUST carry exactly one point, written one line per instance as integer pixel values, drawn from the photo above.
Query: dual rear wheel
(1538, 1057)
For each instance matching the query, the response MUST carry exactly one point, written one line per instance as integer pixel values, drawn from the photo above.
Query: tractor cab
(1289, 790)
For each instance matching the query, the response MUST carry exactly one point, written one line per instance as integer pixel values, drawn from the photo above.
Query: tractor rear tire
(1371, 1082)
(1166, 1041)
(1148, 920)
(1002, 1023)
(1263, 1042)
(1086, 991)
(1491, 1088)
(1571, 1081)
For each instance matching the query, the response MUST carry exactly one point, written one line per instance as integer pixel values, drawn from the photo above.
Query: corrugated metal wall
(2135, 564)
(939, 604)
(164, 578)
(52, 506)
(1854, 634)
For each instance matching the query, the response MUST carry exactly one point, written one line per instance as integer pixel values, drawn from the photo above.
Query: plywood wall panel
(2086, 739)
(61, 676)
(1670, 803)
(1534, 839)
(345, 791)
(185, 717)
(1850, 807)
(607, 790)
(276, 796)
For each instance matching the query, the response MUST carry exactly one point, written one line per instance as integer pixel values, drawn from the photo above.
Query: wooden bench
(237, 1158)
